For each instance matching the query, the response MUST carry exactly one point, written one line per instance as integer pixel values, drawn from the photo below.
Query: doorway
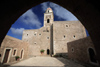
(92, 55)
(48, 51)
(6, 56)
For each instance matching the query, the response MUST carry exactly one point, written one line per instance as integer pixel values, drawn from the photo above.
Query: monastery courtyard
(46, 62)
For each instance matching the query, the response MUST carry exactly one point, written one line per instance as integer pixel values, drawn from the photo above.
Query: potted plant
(17, 58)
(42, 51)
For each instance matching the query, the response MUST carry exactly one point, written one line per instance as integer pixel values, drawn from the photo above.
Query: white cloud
(18, 31)
(59, 11)
(30, 19)
(44, 6)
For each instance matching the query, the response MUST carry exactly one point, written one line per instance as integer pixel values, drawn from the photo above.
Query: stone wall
(64, 32)
(54, 37)
(38, 39)
(13, 44)
(78, 49)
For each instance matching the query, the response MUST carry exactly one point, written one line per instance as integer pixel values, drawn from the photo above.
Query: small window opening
(47, 37)
(66, 25)
(27, 34)
(48, 20)
(72, 49)
(39, 34)
(64, 36)
(74, 36)
(0, 55)
(14, 52)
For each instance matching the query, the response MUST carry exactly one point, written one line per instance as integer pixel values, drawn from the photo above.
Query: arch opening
(92, 55)
(48, 51)
(48, 20)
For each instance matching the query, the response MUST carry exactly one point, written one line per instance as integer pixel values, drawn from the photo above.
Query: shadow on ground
(4, 65)
(71, 63)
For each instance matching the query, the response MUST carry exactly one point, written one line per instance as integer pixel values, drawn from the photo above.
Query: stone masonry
(79, 50)
(14, 45)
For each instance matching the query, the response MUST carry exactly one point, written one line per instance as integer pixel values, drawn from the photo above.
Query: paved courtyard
(46, 62)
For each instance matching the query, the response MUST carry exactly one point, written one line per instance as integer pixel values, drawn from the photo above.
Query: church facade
(53, 36)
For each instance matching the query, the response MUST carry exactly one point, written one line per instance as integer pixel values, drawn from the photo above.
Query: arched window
(22, 54)
(92, 55)
(64, 36)
(14, 53)
(48, 20)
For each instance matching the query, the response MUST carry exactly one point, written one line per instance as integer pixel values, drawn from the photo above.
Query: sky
(34, 17)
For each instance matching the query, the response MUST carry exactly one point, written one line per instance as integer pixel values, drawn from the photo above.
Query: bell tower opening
(48, 20)
(48, 11)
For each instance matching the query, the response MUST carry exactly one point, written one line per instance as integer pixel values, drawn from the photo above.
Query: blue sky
(33, 18)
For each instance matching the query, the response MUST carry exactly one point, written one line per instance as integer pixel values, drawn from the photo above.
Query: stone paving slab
(46, 62)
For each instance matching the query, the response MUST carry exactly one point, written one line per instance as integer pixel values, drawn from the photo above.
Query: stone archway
(87, 11)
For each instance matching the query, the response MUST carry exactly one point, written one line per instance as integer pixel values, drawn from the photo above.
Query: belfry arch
(87, 11)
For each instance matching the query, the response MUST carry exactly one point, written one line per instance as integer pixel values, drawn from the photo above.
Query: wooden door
(6, 56)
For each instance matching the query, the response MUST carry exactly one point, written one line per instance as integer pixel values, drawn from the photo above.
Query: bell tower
(48, 17)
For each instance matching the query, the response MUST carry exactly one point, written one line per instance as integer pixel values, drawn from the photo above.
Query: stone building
(53, 36)
(12, 47)
(82, 50)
